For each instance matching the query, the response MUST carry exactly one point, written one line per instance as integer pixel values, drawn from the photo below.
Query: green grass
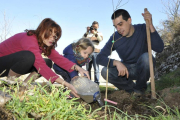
(48, 105)
(54, 104)
(169, 80)
(177, 90)
(103, 88)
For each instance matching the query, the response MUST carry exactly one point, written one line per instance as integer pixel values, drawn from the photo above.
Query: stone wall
(168, 60)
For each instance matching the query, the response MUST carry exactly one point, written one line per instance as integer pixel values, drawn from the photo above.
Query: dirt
(140, 105)
(127, 103)
(5, 114)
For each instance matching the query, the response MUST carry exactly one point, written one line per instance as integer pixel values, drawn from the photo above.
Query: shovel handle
(153, 92)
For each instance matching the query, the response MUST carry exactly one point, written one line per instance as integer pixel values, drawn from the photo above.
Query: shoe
(96, 82)
(137, 93)
(100, 102)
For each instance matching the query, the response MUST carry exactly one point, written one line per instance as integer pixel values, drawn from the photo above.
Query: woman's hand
(73, 90)
(69, 86)
(74, 77)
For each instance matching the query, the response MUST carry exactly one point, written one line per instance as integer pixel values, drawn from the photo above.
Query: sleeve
(99, 37)
(156, 42)
(61, 61)
(73, 74)
(39, 64)
(85, 35)
(102, 57)
(72, 58)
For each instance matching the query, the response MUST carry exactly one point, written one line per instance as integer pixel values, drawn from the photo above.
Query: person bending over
(21, 54)
(79, 53)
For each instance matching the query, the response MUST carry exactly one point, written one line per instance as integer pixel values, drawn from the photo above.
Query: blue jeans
(95, 66)
(139, 71)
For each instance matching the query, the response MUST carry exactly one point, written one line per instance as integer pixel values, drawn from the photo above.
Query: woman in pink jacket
(22, 54)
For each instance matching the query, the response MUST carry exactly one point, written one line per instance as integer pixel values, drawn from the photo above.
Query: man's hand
(88, 28)
(122, 70)
(97, 50)
(148, 16)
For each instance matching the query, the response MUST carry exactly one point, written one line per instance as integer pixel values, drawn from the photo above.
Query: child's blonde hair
(82, 44)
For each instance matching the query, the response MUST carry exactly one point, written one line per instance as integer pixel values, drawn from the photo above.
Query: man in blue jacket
(130, 42)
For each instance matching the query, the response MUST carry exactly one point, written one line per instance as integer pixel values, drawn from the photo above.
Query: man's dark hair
(119, 12)
(95, 22)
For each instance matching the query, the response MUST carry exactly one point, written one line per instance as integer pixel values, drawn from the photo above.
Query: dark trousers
(20, 62)
(64, 74)
(139, 71)
(95, 66)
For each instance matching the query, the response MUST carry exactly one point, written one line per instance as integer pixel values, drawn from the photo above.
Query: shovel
(153, 93)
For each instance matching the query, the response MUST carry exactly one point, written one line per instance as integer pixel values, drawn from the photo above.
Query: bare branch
(5, 27)
(171, 26)
(172, 8)
(118, 5)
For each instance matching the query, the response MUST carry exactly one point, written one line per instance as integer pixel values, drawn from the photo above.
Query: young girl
(79, 53)
(21, 54)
